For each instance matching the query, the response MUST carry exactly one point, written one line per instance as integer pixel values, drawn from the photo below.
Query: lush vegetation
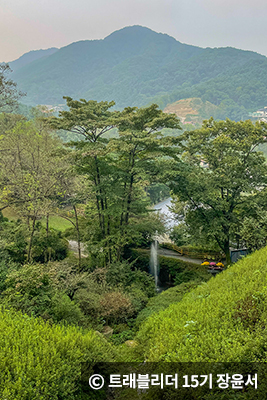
(222, 320)
(39, 361)
(80, 290)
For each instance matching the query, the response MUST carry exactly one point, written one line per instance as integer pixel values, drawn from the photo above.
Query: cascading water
(153, 264)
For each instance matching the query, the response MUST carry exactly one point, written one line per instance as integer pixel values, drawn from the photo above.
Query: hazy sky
(39, 24)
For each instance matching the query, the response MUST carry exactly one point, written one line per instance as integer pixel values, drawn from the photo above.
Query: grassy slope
(58, 223)
(222, 320)
(165, 299)
(55, 222)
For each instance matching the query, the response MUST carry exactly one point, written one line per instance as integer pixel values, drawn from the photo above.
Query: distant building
(48, 108)
(261, 113)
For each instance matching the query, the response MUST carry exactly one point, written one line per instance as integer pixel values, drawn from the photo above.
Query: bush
(180, 271)
(29, 289)
(35, 289)
(125, 275)
(116, 307)
(39, 361)
(49, 248)
(13, 240)
(164, 300)
(64, 310)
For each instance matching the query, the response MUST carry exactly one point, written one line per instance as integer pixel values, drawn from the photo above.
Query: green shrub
(13, 240)
(180, 271)
(29, 289)
(116, 307)
(125, 275)
(43, 362)
(35, 289)
(64, 310)
(185, 276)
(164, 300)
(49, 248)
(138, 298)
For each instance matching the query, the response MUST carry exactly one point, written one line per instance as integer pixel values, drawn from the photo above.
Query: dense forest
(76, 225)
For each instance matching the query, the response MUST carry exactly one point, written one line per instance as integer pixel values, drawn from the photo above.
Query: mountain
(27, 58)
(136, 66)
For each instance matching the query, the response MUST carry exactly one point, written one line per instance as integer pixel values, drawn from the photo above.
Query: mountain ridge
(136, 66)
(30, 56)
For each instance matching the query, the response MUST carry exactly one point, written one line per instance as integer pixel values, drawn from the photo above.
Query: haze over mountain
(27, 58)
(135, 66)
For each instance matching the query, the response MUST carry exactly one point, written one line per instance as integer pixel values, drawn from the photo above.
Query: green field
(55, 221)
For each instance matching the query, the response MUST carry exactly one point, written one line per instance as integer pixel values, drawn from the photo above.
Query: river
(169, 217)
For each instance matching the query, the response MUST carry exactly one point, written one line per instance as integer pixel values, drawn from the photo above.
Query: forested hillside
(136, 66)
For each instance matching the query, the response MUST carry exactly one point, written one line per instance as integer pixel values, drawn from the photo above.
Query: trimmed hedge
(43, 362)
(165, 299)
(181, 271)
(194, 251)
(222, 320)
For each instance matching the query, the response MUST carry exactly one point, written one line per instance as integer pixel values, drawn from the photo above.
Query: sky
(40, 24)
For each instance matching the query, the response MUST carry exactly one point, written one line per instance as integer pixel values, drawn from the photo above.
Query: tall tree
(9, 94)
(222, 172)
(90, 120)
(117, 169)
(140, 143)
(32, 173)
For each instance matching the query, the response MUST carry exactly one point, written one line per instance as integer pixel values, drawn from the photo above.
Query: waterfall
(153, 264)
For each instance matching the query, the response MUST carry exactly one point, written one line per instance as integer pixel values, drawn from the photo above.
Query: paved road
(163, 208)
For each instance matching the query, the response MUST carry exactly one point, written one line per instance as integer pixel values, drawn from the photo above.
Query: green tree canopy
(221, 174)
(9, 94)
(117, 170)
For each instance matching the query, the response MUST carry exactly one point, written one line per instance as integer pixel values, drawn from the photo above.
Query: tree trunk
(47, 231)
(129, 200)
(47, 225)
(78, 236)
(99, 189)
(29, 256)
(227, 253)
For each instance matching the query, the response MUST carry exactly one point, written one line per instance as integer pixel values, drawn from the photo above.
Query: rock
(131, 343)
(107, 331)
